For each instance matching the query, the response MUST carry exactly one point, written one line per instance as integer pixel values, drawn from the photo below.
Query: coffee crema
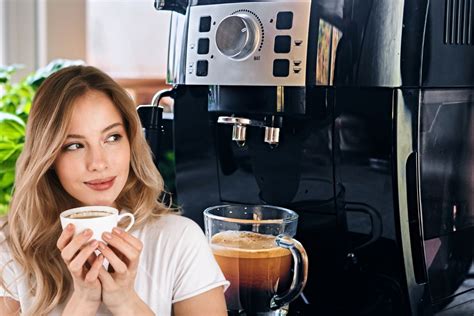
(255, 266)
(88, 214)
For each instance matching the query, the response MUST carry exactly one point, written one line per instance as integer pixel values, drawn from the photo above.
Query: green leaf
(3, 209)
(12, 127)
(9, 151)
(7, 179)
(8, 164)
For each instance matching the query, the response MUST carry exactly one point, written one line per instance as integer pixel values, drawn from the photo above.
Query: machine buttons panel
(284, 20)
(205, 24)
(282, 44)
(203, 46)
(202, 68)
(281, 68)
(264, 43)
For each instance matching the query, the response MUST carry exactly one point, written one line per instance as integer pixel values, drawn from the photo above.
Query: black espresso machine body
(358, 115)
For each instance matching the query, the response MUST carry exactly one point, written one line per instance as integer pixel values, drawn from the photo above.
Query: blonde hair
(33, 226)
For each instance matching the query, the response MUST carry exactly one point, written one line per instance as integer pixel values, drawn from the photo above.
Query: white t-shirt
(176, 263)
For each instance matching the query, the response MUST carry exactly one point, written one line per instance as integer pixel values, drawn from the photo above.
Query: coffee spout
(239, 128)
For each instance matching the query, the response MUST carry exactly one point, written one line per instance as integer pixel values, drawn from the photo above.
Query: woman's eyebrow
(103, 131)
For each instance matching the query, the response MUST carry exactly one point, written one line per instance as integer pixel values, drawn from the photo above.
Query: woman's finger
(75, 245)
(129, 238)
(106, 279)
(119, 266)
(91, 259)
(131, 253)
(93, 273)
(77, 264)
(65, 237)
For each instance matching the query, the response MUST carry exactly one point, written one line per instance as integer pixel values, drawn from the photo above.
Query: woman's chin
(100, 203)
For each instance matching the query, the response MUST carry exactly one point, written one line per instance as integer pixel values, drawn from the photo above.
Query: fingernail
(101, 246)
(87, 232)
(94, 243)
(70, 227)
(107, 235)
(117, 230)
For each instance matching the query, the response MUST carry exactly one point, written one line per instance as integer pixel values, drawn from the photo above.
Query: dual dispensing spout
(272, 125)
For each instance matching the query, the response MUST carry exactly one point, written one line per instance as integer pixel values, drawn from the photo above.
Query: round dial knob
(237, 36)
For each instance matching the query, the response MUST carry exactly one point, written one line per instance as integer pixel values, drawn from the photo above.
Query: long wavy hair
(32, 227)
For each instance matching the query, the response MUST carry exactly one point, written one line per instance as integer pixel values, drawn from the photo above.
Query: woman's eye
(114, 138)
(72, 147)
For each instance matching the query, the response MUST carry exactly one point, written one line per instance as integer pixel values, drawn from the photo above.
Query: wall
(128, 39)
(61, 30)
(20, 35)
(2, 32)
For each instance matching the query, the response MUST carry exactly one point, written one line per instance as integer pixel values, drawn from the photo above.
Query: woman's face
(94, 161)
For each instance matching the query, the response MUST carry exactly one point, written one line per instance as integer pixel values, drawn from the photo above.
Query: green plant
(15, 103)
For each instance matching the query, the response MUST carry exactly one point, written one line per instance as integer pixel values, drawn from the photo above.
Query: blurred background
(128, 39)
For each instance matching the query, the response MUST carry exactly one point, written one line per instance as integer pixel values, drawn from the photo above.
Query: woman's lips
(101, 184)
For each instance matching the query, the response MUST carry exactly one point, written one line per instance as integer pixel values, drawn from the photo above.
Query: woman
(84, 146)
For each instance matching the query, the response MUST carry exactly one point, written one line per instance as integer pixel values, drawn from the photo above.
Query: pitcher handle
(300, 268)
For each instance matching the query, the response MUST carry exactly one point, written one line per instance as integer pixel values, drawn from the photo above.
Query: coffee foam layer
(88, 214)
(243, 244)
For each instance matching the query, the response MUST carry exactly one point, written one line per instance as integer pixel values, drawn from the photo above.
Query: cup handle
(300, 274)
(132, 220)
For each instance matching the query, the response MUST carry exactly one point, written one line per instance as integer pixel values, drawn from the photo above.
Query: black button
(284, 20)
(282, 44)
(203, 46)
(201, 68)
(281, 67)
(205, 24)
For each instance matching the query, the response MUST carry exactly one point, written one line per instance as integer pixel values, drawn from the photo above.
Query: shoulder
(172, 223)
(175, 221)
(169, 226)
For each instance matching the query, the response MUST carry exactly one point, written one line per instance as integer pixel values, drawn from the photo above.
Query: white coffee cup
(88, 217)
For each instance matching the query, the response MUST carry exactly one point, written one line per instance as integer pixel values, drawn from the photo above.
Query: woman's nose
(97, 159)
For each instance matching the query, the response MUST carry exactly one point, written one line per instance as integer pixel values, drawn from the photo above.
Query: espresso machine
(356, 114)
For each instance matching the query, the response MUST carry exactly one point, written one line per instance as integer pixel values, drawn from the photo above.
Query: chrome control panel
(248, 43)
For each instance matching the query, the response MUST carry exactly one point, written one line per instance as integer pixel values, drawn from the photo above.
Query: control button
(296, 62)
(284, 20)
(281, 68)
(282, 44)
(203, 46)
(205, 24)
(298, 42)
(297, 70)
(201, 68)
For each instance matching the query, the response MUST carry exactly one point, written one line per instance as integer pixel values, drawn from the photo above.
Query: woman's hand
(76, 251)
(118, 287)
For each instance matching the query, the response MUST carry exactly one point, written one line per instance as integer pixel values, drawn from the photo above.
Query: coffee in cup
(255, 266)
(99, 219)
(88, 214)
